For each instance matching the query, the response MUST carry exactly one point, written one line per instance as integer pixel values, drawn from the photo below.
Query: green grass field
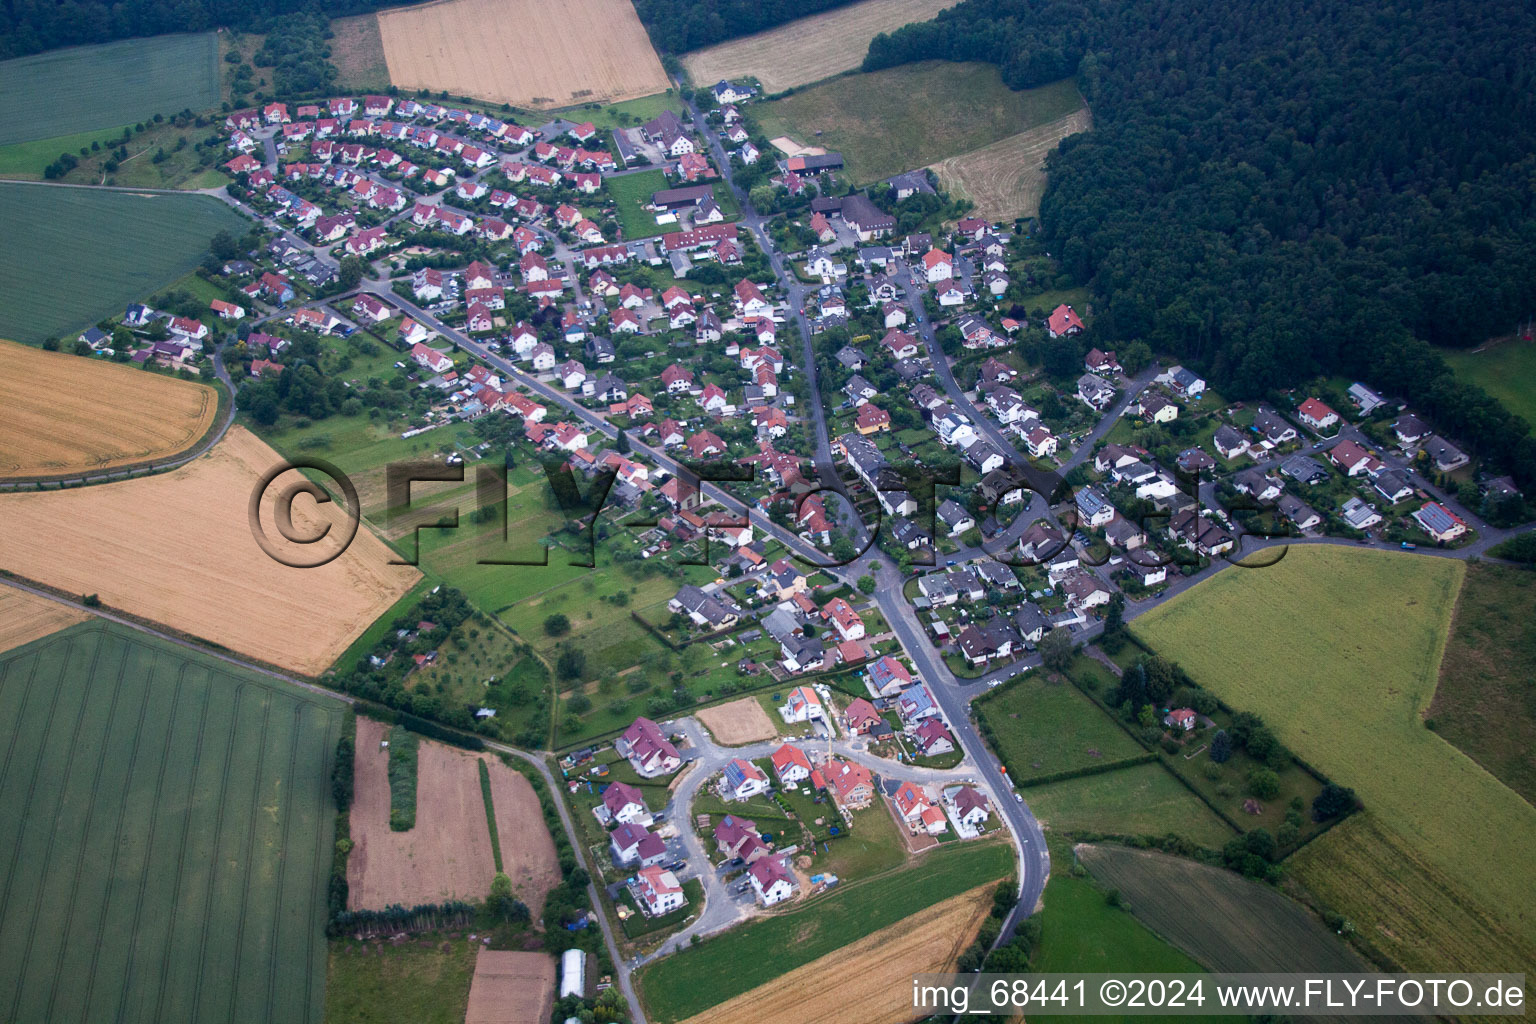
(1081, 932)
(1224, 921)
(1485, 703)
(630, 193)
(1042, 728)
(626, 114)
(84, 88)
(886, 122)
(1141, 800)
(421, 985)
(1339, 649)
(170, 835)
(1415, 914)
(1506, 370)
(91, 253)
(686, 983)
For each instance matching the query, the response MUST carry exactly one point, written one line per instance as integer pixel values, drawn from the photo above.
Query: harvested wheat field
(511, 988)
(25, 617)
(870, 981)
(178, 549)
(63, 414)
(530, 53)
(1006, 179)
(808, 49)
(738, 722)
(447, 855)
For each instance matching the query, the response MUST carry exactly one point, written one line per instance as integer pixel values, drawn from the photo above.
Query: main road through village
(952, 694)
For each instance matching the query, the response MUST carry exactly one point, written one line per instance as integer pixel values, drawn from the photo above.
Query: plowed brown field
(25, 617)
(447, 855)
(738, 722)
(511, 988)
(62, 414)
(869, 982)
(530, 53)
(178, 549)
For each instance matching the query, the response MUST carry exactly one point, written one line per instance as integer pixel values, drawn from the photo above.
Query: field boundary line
(53, 830)
(154, 819)
(282, 862)
(122, 812)
(187, 831)
(246, 844)
(323, 853)
(90, 813)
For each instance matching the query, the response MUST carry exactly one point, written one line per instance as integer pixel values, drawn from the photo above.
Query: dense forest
(30, 26)
(1279, 188)
(677, 26)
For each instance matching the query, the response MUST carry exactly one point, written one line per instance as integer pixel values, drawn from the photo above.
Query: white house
(660, 891)
(803, 705)
(771, 881)
(742, 780)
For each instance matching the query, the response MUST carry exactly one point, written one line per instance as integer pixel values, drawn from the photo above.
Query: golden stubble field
(64, 414)
(808, 49)
(177, 549)
(530, 53)
(26, 617)
(870, 981)
(1006, 179)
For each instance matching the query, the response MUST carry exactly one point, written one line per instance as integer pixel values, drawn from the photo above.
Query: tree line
(1278, 190)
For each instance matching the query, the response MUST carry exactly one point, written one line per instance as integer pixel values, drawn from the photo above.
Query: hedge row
(403, 745)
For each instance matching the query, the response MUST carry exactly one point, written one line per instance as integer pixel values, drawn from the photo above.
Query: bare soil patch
(511, 988)
(25, 617)
(527, 849)
(178, 549)
(808, 49)
(63, 414)
(738, 722)
(447, 855)
(868, 982)
(530, 53)
(1007, 178)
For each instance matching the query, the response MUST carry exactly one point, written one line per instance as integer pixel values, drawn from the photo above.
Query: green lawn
(1506, 370)
(84, 88)
(631, 192)
(627, 114)
(686, 983)
(1486, 702)
(1141, 800)
(1339, 649)
(405, 982)
(871, 846)
(92, 253)
(886, 122)
(1081, 933)
(1041, 728)
(169, 834)
(27, 159)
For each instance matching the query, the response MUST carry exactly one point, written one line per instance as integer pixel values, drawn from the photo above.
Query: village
(894, 484)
